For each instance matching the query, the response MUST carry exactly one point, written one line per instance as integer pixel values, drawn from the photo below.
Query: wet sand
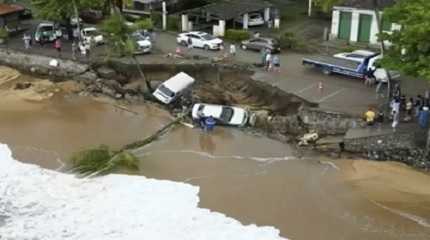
(250, 178)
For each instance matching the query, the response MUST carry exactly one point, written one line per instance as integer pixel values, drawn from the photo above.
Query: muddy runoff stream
(248, 177)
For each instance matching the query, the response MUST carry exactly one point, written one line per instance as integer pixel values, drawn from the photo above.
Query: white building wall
(335, 23)
(355, 21)
(374, 29)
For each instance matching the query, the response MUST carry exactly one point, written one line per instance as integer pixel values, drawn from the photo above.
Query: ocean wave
(45, 204)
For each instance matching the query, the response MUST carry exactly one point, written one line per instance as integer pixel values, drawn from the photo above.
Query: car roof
(90, 29)
(45, 24)
(363, 52)
(200, 33)
(212, 110)
(265, 38)
(179, 82)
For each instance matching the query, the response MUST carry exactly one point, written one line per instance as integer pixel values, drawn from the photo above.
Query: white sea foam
(47, 205)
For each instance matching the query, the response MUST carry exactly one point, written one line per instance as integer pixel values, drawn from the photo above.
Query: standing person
(189, 43)
(268, 61)
(426, 100)
(403, 102)
(276, 63)
(232, 50)
(76, 34)
(83, 48)
(370, 117)
(423, 118)
(57, 46)
(397, 90)
(263, 53)
(395, 106)
(368, 77)
(27, 40)
(418, 105)
(42, 39)
(396, 118)
(409, 107)
(74, 50)
(380, 119)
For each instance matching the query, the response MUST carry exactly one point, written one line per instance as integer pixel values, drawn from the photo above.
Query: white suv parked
(200, 40)
(91, 34)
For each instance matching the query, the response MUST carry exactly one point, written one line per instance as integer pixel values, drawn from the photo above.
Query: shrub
(144, 24)
(4, 33)
(236, 35)
(288, 41)
(157, 18)
(173, 23)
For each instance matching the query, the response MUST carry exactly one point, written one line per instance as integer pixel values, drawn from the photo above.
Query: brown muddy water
(248, 177)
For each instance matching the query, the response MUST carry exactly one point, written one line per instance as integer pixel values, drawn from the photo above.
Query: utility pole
(382, 46)
(164, 16)
(310, 8)
(78, 24)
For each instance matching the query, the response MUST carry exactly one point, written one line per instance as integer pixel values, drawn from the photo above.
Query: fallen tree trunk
(156, 135)
(101, 160)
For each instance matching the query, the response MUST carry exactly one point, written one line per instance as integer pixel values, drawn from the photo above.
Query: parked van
(173, 87)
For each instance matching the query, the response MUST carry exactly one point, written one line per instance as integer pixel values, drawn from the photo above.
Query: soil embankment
(278, 114)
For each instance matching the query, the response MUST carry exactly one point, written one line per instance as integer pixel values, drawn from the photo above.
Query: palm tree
(120, 42)
(382, 43)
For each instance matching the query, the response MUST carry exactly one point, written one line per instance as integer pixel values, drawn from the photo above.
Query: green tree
(327, 5)
(60, 10)
(120, 42)
(410, 50)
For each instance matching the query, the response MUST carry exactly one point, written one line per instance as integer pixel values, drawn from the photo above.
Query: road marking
(331, 95)
(307, 88)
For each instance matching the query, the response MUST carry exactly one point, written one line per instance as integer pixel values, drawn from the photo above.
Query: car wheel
(206, 47)
(244, 47)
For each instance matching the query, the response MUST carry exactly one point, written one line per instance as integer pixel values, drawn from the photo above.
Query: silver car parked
(261, 43)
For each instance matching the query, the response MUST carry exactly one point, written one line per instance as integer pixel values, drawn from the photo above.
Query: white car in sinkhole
(225, 115)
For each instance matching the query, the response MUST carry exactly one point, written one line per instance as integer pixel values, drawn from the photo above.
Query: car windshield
(92, 33)
(166, 91)
(227, 114)
(273, 42)
(208, 37)
(138, 37)
(46, 28)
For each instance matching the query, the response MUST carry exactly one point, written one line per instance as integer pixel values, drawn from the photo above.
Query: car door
(252, 43)
(258, 44)
(198, 41)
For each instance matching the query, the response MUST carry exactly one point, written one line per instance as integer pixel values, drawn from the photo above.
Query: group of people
(78, 46)
(269, 61)
(403, 109)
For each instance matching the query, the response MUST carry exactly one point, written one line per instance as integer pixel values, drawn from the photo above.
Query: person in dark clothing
(397, 92)
(403, 102)
(379, 119)
(418, 105)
